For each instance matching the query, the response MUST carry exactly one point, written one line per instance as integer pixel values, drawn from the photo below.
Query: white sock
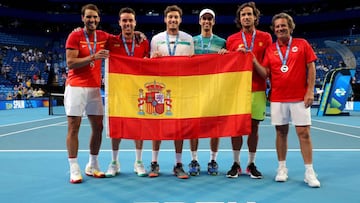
(213, 155)
(72, 161)
(155, 155)
(178, 158)
(282, 164)
(138, 153)
(115, 155)
(236, 154)
(93, 160)
(309, 166)
(251, 159)
(194, 155)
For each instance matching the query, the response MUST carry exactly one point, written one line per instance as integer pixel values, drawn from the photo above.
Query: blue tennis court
(34, 166)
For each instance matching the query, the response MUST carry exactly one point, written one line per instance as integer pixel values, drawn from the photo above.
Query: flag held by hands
(178, 97)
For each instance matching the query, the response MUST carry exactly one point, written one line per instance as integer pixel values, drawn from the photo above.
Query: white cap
(206, 10)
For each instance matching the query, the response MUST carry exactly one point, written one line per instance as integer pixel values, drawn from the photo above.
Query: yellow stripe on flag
(175, 98)
(191, 96)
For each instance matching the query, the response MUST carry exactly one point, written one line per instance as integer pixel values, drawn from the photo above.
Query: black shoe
(253, 172)
(213, 168)
(194, 168)
(179, 171)
(154, 170)
(235, 171)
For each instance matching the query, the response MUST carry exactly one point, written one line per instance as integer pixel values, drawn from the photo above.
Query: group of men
(288, 63)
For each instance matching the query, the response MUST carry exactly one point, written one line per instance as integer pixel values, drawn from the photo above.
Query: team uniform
(261, 42)
(288, 86)
(206, 45)
(82, 91)
(116, 45)
(182, 43)
(139, 48)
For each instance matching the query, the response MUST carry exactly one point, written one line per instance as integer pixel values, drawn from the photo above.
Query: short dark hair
(172, 8)
(127, 10)
(90, 7)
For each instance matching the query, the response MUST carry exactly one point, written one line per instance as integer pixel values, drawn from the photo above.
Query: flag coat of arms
(178, 97)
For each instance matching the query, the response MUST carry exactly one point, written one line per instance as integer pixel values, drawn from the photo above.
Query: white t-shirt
(182, 44)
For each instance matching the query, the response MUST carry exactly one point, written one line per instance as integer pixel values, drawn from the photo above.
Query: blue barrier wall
(21, 104)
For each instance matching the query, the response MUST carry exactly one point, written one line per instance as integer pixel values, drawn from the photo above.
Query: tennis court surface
(34, 166)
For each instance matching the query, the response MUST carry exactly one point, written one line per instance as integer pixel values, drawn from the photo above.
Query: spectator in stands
(16, 88)
(342, 64)
(290, 64)
(19, 93)
(7, 71)
(84, 54)
(29, 92)
(40, 92)
(19, 77)
(9, 96)
(28, 83)
(34, 92)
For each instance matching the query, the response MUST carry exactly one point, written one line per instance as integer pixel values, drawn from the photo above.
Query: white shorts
(79, 101)
(282, 112)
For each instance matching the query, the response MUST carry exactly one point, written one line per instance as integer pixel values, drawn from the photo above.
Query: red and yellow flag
(178, 97)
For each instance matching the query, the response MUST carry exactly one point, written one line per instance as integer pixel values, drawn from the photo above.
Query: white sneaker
(94, 171)
(113, 170)
(139, 169)
(75, 173)
(282, 174)
(310, 178)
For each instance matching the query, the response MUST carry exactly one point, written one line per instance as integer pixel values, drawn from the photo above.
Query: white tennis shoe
(75, 173)
(282, 174)
(311, 179)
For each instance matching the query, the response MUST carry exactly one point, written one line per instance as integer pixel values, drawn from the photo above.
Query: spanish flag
(178, 97)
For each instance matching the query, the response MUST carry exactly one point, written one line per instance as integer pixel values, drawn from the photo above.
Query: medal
(92, 64)
(284, 68)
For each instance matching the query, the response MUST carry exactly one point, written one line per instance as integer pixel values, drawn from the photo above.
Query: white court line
(30, 129)
(332, 123)
(184, 150)
(336, 132)
(30, 121)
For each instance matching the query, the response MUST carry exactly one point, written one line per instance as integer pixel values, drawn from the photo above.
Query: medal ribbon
(206, 50)
(284, 60)
(91, 50)
(126, 47)
(172, 52)
(252, 41)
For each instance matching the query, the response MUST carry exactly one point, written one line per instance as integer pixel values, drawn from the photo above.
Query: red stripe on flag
(174, 65)
(179, 129)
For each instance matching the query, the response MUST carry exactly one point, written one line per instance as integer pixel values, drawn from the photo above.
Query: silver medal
(92, 64)
(284, 68)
